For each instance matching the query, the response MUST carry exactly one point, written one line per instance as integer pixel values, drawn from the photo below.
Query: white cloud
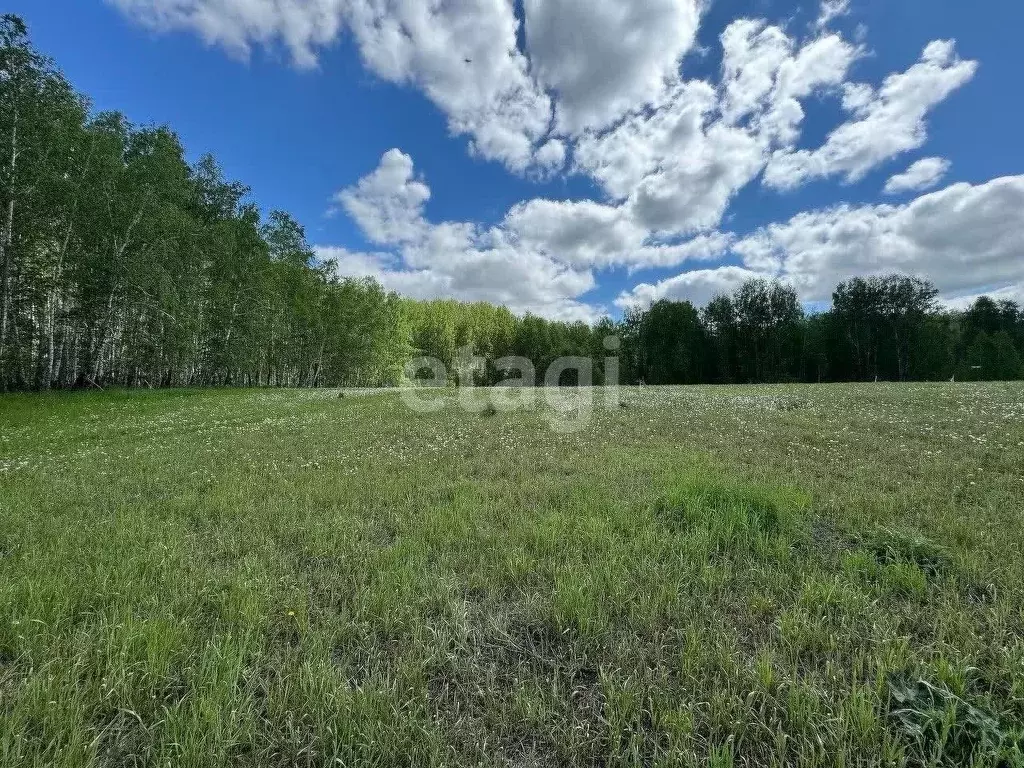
(831, 10)
(601, 59)
(599, 86)
(501, 275)
(820, 65)
(924, 174)
(620, 159)
(453, 259)
(692, 190)
(604, 58)
(697, 286)
(538, 259)
(676, 168)
(589, 234)
(680, 165)
(753, 54)
(356, 264)
(551, 157)
(965, 238)
(1008, 293)
(462, 55)
(582, 233)
(239, 24)
(885, 123)
(765, 75)
(388, 203)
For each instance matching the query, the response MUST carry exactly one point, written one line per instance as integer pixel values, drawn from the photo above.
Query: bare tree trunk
(57, 368)
(5, 243)
(319, 365)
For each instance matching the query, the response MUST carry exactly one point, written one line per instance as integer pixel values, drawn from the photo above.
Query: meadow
(727, 576)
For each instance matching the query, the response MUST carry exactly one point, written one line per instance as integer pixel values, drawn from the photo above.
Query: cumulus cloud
(453, 259)
(356, 264)
(586, 65)
(589, 234)
(885, 123)
(818, 66)
(501, 275)
(237, 25)
(465, 58)
(831, 10)
(604, 58)
(680, 165)
(684, 163)
(463, 55)
(598, 89)
(924, 174)
(583, 233)
(1008, 293)
(965, 238)
(698, 286)
(538, 259)
(388, 203)
(692, 191)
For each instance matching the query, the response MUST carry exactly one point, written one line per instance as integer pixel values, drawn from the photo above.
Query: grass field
(759, 576)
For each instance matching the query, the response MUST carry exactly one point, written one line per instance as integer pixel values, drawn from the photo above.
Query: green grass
(760, 576)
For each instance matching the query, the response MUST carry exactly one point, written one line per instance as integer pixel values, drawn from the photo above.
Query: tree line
(884, 328)
(888, 328)
(123, 264)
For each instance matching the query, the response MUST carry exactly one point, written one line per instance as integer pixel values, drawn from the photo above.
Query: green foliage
(121, 264)
(881, 318)
(943, 730)
(672, 344)
(888, 547)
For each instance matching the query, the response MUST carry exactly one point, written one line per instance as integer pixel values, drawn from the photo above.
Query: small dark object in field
(624, 405)
(341, 395)
(490, 410)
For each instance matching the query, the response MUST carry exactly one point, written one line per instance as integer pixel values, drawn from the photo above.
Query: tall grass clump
(727, 514)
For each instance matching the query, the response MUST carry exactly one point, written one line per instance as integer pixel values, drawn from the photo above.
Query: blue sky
(572, 158)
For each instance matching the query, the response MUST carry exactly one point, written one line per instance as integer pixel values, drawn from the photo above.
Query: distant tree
(768, 322)
(882, 317)
(719, 319)
(673, 344)
(906, 303)
(817, 338)
(991, 357)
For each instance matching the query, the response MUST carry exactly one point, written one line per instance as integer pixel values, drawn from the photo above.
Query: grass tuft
(890, 547)
(731, 514)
